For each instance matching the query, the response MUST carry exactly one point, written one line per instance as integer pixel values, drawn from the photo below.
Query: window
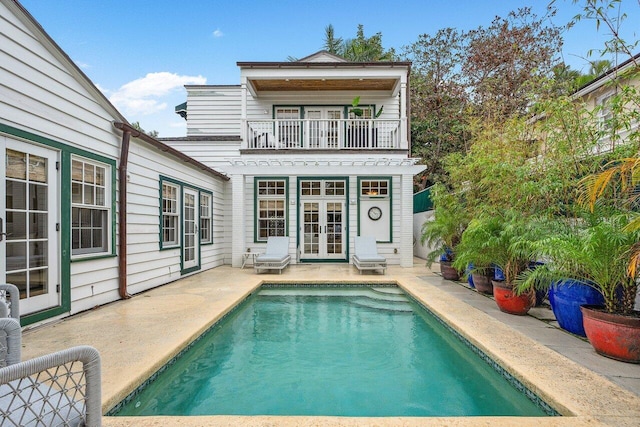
(170, 215)
(271, 197)
(90, 207)
(605, 114)
(374, 188)
(205, 218)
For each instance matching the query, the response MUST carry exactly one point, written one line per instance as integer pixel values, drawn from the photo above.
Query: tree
(331, 43)
(505, 62)
(358, 49)
(438, 101)
(152, 134)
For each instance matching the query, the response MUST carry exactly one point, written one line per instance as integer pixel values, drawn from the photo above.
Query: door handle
(2, 233)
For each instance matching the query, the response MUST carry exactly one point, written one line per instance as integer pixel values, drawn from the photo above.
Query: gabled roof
(322, 56)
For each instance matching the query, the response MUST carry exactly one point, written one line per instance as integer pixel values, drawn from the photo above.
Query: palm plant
(443, 234)
(596, 255)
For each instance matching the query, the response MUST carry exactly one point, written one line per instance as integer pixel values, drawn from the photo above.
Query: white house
(90, 210)
(303, 161)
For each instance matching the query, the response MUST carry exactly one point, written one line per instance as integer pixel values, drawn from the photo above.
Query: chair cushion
(370, 258)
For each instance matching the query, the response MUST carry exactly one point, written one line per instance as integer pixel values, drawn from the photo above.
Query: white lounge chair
(276, 256)
(366, 255)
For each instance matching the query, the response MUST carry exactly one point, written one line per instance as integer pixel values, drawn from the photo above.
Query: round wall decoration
(375, 213)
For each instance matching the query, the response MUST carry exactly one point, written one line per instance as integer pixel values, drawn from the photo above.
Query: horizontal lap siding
(215, 154)
(214, 111)
(40, 95)
(147, 265)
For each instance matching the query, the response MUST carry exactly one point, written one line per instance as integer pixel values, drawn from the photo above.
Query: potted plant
(444, 232)
(359, 130)
(473, 251)
(563, 275)
(507, 244)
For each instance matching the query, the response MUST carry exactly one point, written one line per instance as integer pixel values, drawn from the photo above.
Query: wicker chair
(61, 388)
(10, 296)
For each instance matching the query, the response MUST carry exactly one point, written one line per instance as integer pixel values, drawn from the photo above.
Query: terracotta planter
(448, 272)
(509, 302)
(612, 335)
(482, 283)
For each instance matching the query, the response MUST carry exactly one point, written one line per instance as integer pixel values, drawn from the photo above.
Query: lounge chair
(61, 388)
(276, 256)
(366, 255)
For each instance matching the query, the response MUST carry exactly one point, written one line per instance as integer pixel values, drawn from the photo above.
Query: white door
(322, 230)
(29, 251)
(191, 241)
(324, 128)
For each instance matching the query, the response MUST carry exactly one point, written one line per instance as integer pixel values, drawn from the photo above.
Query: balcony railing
(330, 134)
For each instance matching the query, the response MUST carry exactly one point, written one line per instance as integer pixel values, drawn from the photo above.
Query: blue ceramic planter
(566, 299)
(469, 276)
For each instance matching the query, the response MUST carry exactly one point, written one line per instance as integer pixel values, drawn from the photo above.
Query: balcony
(329, 134)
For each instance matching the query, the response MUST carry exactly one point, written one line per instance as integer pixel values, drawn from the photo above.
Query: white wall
(419, 219)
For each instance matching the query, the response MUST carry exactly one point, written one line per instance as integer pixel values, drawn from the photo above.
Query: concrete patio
(135, 337)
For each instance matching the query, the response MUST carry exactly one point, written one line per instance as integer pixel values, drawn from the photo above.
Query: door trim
(64, 241)
(345, 223)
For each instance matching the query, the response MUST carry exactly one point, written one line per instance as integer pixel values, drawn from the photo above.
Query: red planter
(449, 272)
(509, 302)
(612, 335)
(482, 283)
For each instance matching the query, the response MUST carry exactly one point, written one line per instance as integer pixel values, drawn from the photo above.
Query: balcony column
(406, 224)
(243, 112)
(404, 106)
(238, 219)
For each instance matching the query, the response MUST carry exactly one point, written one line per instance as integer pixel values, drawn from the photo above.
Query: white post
(243, 113)
(238, 219)
(404, 96)
(406, 225)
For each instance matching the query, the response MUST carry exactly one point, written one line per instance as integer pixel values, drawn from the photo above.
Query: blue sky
(141, 53)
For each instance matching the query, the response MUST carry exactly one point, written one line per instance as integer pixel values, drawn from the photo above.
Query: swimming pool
(352, 351)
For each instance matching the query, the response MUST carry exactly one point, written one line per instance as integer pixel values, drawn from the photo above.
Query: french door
(191, 242)
(29, 249)
(323, 216)
(322, 230)
(324, 129)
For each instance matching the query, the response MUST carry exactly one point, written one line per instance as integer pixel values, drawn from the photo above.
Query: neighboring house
(598, 94)
(303, 161)
(91, 210)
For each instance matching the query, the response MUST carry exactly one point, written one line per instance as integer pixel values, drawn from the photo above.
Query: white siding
(147, 265)
(213, 110)
(45, 96)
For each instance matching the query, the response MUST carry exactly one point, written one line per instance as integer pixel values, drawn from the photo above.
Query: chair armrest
(53, 389)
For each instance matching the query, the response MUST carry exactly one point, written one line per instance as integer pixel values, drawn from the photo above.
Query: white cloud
(144, 96)
(217, 33)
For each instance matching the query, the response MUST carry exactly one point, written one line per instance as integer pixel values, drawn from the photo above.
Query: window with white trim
(170, 214)
(271, 199)
(605, 114)
(90, 207)
(205, 218)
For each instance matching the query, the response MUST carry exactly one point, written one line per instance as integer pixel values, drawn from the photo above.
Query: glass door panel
(310, 230)
(191, 245)
(29, 251)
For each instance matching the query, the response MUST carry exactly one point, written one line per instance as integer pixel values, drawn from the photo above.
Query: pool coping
(580, 395)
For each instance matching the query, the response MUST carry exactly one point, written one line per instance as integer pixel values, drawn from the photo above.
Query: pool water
(362, 352)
